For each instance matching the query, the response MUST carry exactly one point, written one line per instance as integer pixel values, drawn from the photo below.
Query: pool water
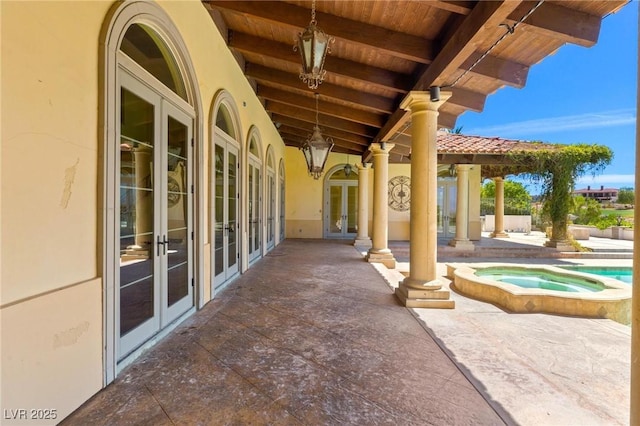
(542, 280)
(624, 274)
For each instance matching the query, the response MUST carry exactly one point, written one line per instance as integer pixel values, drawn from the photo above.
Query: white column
(422, 288)
(362, 239)
(498, 230)
(461, 240)
(379, 252)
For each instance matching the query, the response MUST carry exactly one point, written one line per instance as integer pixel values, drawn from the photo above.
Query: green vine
(556, 168)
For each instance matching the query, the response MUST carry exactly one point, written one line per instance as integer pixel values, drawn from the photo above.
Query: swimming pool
(624, 274)
(542, 279)
(543, 289)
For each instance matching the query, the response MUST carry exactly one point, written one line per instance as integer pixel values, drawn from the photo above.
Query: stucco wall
(51, 298)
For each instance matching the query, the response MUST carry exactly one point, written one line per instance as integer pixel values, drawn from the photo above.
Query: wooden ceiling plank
(308, 103)
(394, 43)
(364, 100)
(348, 69)
(467, 99)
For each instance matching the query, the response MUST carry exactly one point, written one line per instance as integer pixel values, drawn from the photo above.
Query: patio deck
(312, 334)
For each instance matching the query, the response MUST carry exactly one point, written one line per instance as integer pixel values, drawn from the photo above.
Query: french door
(254, 207)
(271, 208)
(447, 200)
(226, 256)
(155, 280)
(342, 209)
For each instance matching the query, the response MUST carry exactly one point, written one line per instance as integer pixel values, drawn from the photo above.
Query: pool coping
(614, 302)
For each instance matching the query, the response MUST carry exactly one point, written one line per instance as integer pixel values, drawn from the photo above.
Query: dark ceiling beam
(305, 127)
(327, 108)
(394, 43)
(345, 147)
(456, 50)
(379, 77)
(325, 120)
(363, 100)
(550, 20)
(467, 99)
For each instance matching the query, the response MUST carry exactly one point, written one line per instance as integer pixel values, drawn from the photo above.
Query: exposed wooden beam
(348, 69)
(456, 50)
(467, 99)
(306, 128)
(505, 72)
(304, 132)
(551, 20)
(394, 43)
(363, 100)
(345, 147)
(327, 108)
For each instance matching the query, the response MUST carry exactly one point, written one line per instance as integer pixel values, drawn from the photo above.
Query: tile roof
(453, 143)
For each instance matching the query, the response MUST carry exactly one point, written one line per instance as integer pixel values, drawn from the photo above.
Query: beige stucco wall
(51, 291)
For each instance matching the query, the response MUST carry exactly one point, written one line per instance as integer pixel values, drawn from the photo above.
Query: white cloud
(612, 118)
(607, 179)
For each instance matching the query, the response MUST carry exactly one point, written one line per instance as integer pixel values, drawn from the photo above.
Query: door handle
(164, 243)
(158, 243)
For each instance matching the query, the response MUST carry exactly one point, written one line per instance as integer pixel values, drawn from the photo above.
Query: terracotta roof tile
(452, 143)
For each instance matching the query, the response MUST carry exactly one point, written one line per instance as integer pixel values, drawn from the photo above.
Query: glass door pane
(352, 210)
(451, 211)
(254, 210)
(178, 239)
(336, 210)
(271, 208)
(440, 207)
(218, 258)
(137, 213)
(232, 212)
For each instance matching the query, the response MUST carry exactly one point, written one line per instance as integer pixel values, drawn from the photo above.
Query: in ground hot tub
(521, 288)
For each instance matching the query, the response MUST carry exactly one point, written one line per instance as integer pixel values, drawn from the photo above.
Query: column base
(431, 295)
(501, 234)
(362, 242)
(462, 244)
(386, 258)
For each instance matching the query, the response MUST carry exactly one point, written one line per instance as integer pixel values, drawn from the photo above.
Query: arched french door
(254, 205)
(150, 122)
(226, 195)
(282, 200)
(270, 198)
(341, 204)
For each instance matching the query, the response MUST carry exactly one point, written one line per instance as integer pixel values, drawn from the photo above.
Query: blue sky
(577, 95)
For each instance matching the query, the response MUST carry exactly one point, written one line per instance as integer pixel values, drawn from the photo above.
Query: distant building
(601, 195)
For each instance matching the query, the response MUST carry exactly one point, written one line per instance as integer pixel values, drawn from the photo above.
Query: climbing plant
(556, 168)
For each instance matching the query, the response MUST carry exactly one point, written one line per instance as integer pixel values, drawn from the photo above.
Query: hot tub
(548, 289)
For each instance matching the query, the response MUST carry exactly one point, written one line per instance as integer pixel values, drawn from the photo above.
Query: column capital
(463, 167)
(363, 166)
(381, 148)
(420, 101)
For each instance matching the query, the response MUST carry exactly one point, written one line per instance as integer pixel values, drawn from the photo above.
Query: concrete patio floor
(313, 335)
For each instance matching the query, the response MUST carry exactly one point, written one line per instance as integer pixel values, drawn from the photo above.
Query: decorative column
(461, 240)
(379, 252)
(422, 289)
(498, 231)
(362, 239)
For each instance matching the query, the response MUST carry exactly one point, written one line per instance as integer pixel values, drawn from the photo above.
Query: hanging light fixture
(316, 149)
(313, 44)
(347, 167)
